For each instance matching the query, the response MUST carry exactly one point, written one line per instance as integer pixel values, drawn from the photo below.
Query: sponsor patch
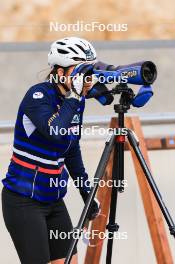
(38, 95)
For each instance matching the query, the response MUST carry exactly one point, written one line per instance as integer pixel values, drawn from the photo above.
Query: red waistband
(33, 167)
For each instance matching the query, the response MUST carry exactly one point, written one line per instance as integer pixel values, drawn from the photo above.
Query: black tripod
(116, 142)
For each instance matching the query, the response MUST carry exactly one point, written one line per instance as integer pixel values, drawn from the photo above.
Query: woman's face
(87, 85)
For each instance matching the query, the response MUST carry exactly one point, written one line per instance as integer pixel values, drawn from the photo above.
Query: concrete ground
(137, 248)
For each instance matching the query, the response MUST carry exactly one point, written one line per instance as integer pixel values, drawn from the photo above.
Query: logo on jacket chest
(76, 119)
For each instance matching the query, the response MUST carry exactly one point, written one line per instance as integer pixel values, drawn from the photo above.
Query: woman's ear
(60, 72)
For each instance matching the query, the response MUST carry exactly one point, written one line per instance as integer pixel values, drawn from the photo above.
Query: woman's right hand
(77, 83)
(82, 78)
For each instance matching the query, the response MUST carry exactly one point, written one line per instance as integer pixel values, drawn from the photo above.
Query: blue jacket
(46, 149)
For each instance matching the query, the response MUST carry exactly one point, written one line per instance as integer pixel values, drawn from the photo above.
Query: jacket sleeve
(75, 166)
(38, 108)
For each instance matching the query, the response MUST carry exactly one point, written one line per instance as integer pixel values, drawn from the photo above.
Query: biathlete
(32, 205)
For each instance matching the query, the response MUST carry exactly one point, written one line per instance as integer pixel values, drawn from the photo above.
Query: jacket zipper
(67, 147)
(34, 179)
(58, 193)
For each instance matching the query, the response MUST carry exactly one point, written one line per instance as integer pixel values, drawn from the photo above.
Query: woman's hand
(82, 80)
(77, 84)
(82, 85)
(95, 208)
(87, 85)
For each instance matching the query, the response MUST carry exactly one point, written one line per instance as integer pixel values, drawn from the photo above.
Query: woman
(32, 197)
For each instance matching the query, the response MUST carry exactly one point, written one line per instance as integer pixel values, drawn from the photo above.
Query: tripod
(116, 143)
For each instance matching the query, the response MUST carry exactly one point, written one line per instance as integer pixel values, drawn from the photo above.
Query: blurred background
(25, 38)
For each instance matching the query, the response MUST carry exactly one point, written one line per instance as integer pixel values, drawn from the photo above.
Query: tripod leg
(112, 226)
(135, 145)
(118, 176)
(98, 176)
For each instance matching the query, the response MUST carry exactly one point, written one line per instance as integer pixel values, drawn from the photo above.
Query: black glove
(95, 208)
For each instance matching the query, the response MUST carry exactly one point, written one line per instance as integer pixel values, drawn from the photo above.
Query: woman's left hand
(95, 210)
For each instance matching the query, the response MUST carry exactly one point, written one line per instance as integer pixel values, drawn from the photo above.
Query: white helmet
(70, 51)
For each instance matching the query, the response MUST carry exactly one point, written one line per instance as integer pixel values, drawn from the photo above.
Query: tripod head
(126, 97)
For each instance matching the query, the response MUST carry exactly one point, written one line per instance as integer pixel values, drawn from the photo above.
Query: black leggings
(37, 228)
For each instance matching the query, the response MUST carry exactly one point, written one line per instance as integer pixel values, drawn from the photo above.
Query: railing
(146, 119)
(159, 124)
(121, 44)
